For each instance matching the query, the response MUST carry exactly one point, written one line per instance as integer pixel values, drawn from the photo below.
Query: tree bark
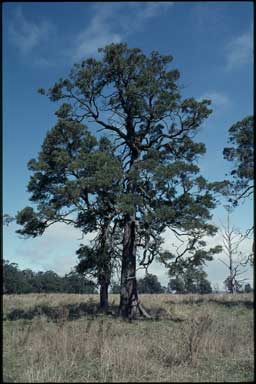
(104, 283)
(129, 296)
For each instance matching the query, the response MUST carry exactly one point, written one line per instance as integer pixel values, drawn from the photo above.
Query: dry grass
(207, 340)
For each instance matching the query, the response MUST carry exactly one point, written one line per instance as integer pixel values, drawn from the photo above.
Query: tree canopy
(74, 180)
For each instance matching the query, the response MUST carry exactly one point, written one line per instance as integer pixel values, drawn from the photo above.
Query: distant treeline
(17, 281)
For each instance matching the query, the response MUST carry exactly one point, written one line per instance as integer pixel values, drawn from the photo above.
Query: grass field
(62, 338)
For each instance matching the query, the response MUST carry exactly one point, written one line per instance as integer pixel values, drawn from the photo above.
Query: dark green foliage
(149, 284)
(16, 281)
(13, 279)
(191, 280)
(32, 225)
(177, 284)
(88, 259)
(98, 263)
(241, 154)
(49, 281)
(100, 259)
(75, 283)
(204, 286)
(76, 180)
(72, 175)
(248, 288)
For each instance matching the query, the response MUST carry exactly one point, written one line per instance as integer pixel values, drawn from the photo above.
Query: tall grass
(203, 341)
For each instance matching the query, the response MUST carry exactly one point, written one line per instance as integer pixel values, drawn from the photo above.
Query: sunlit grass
(206, 341)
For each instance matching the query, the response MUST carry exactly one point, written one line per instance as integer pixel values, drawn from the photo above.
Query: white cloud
(97, 34)
(27, 35)
(63, 232)
(55, 250)
(150, 9)
(111, 23)
(218, 99)
(239, 51)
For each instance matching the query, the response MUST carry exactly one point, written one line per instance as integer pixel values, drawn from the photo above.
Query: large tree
(136, 99)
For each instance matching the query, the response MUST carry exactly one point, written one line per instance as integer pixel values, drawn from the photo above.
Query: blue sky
(212, 44)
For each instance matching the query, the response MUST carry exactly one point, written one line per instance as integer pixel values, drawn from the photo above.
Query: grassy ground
(62, 338)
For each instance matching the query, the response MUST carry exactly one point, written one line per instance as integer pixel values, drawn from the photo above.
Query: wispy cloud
(239, 51)
(108, 23)
(218, 99)
(148, 10)
(98, 33)
(55, 250)
(27, 35)
(112, 23)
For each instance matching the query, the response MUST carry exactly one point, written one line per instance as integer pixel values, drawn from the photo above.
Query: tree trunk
(232, 285)
(129, 295)
(104, 283)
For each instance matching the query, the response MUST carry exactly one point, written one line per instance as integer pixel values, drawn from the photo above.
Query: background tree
(75, 283)
(235, 260)
(50, 282)
(232, 285)
(136, 99)
(191, 280)
(204, 286)
(177, 285)
(248, 288)
(13, 280)
(33, 281)
(149, 284)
